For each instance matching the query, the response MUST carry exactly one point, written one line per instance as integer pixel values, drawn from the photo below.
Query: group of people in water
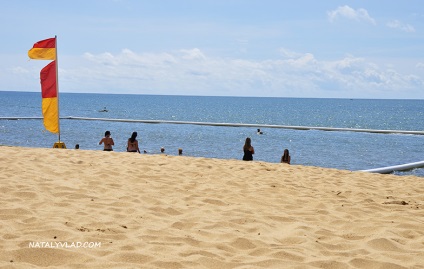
(132, 146)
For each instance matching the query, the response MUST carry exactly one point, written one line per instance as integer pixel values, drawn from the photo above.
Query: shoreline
(387, 170)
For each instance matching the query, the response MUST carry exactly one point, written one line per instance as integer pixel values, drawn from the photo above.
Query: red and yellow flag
(44, 50)
(49, 105)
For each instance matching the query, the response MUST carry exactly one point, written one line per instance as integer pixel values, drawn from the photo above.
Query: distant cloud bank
(192, 72)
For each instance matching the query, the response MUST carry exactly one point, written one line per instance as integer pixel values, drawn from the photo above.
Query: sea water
(333, 149)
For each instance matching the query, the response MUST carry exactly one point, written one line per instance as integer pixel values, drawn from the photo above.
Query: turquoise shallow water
(342, 150)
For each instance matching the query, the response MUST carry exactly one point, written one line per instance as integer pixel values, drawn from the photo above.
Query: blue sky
(340, 49)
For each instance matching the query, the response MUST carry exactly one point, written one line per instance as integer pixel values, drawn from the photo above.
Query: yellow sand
(158, 211)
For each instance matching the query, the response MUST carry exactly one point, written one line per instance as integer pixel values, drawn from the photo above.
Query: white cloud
(19, 70)
(304, 61)
(351, 14)
(193, 54)
(401, 26)
(348, 63)
(420, 65)
(289, 53)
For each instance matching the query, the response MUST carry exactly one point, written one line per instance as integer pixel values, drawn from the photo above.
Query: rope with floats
(232, 125)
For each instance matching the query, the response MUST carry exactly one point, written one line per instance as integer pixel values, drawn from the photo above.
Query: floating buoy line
(293, 127)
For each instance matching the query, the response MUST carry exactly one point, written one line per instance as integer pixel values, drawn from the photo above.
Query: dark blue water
(342, 150)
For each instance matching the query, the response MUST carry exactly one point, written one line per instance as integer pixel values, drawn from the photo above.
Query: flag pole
(57, 85)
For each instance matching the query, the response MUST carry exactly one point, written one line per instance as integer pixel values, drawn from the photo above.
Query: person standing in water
(248, 150)
(107, 141)
(286, 157)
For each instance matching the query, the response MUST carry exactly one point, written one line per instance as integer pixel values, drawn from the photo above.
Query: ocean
(332, 149)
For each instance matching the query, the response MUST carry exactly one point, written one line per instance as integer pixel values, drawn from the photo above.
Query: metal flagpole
(57, 85)
(57, 144)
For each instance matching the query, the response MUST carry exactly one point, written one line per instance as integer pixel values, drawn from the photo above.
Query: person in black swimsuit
(132, 144)
(286, 157)
(248, 150)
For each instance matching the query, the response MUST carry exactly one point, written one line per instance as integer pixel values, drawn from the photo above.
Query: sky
(267, 48)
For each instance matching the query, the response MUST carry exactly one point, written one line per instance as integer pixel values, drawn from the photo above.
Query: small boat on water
(103, 110)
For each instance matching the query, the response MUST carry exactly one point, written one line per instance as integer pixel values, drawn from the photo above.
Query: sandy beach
(94, 209)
